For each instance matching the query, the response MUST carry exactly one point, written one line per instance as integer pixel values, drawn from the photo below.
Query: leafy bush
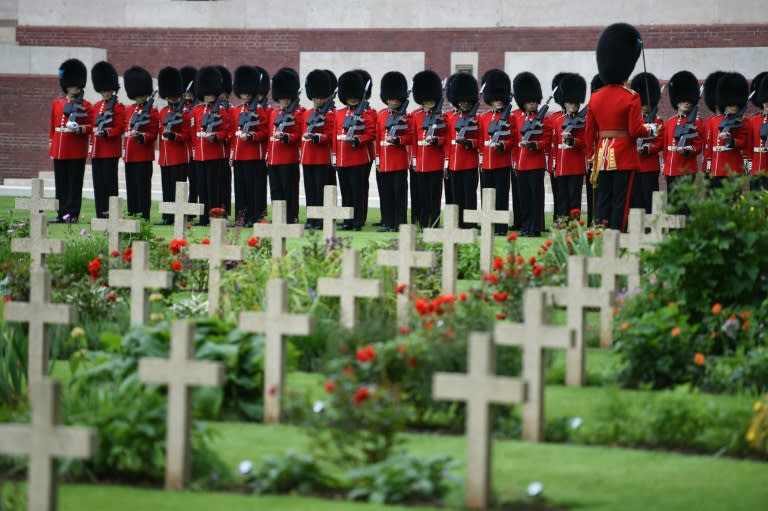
(295, 472)
(13, 365)
(12, 497)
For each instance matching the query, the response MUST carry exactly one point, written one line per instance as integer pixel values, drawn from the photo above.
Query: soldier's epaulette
(633, 91)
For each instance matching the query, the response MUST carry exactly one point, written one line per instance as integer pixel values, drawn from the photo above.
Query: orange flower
(675, 331)
(624, 325)
(549, 242)
(744, 315)
(745, 325)
(501, 316)
(698, 359)
(717, 308)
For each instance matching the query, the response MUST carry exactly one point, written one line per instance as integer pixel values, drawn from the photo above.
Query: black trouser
(553, 184)
(104, 171)
(68, 176)
(215, 174)
(196, 182)
(260, 199)
(516, 214)
(202, 168)
(245, 190)
(531, 183)
(614, 191)
(463, 186)
(169, 176)
(226, 192)
(568, 194)
(284, 185)
(393, 192)
(415, 206)
(590, 199)
(314, 181)
(138, 181)
(676, 202)
(353, 183)
(642, 190)
(427, 192)
(499, 180)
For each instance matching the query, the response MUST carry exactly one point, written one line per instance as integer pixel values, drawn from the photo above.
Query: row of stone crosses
(45, 439)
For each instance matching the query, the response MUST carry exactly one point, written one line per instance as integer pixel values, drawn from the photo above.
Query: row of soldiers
(617, 142)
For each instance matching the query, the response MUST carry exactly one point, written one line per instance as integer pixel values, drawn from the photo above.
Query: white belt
(760, 149)
(423, 143)
(343, 138)
(63, 129)
(201, 134)
(564, 146)
(721, 148)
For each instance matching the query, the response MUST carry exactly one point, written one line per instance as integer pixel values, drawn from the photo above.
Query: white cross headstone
(44, 440)
(578, 298)
(37, 203)
(38, 245)
(659, 220)
(534, 336)
(349, 287)
(275, 323)
(180, 208)
(215, 252)
(479, 388)
(636, 238)
(330, 212)
(450, 236)
(405, 258)
(179, 373)
(279, 230)
(39, 312)
(140, 279)
(115, 225)
(486, 217)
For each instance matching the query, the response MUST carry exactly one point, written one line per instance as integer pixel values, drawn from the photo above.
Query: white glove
(653, 128)
(72, 125)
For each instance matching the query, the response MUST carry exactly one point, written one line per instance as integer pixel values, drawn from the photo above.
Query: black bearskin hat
(104, 77)
(754, 86)
(246, 81)
(462, 87)
(638, 85)
(596, 84)
(264, 83)
(169, 83)
(683, 86)
(317, 84)
(285, 84)
(427, 86)
(72, 73)
(334, 80)
(617, 52)
(208, 82)
(761, 96)
(188, 74)
(558, 96)
(573, 88)
(367, 81)
(732, 89)
(351, 86)
(710, 90)
(496, 86)
(138, 82)
(527, 88)
(226, 79)
(394, 85)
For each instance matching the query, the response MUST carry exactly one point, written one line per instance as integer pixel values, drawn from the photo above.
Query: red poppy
(532, 260)
(115, 253)
(128, 255)
(421, 306)
(253, 241)
(330, 386)
(348, 371)
(111, 296)
(575, 212)
(512, 236)
(491, 278)
(501, 296)
(498, 262)
(361, 395)
(404, 330)
(501, 316)
(590, 235)
(411, 362)
(205, 241)
(176, 265)
(366, 354)
(520, 260)
(549, 242)
(537, 270)
(463, 297)
(400, 288)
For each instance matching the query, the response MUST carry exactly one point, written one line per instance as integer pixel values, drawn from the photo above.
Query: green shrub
(293, 473)
(13, 366)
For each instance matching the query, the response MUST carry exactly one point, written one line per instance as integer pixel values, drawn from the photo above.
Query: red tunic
(570, 160)
(556, 119)
(318, 150)
(393, 157)
(205, 150)
(494, 158)
(649, 162)
(286, 153)
(346, 154)
(727, 160)
(757, 150)
(110, 145)
(675, 163)
(614, 121)
(459, 156)
(429, 158)
(133, 151)
(535, 158)
(256, 148)
(63, 144)
(174, 152)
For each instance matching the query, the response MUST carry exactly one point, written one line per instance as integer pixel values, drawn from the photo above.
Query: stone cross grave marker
(36, 203)
(275, 323)
(140, 279)
(38, 245)
(534, 336)
(279, 230)
(578, 298)
(39, 312)
(661, 221)
(636, 238)
(44, 440)
(330, 212)
(180, 372)
(479, 388)
(450, 236)
(115, 225)
(180, 209)
(215, 252)
(349, 287)
(486, 217)
(405, 258)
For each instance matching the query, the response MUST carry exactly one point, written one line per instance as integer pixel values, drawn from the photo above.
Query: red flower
(205, 241)
(497, 263)
(463, 297)
(366, 354)
(177, 245)
(549, 242)
(111, 296)
(361, 395)
(330, 386)
(93, 268)
(537, 270)
(698, 359)
(253, 241)
(581, 221)
(491, 278)
(7, 298)
(128, 255)
(512, 236)
(427, 325)
(348, 371)
(590, 235)
(217, 213)
(501, 316)
(520, 260)
(404, 330)
(176, 265)
(575, 212)
(421, 306)
(115, 253)
(401, 348)
(411, 362)
(501, 296)
(400, 288)
(532, 260)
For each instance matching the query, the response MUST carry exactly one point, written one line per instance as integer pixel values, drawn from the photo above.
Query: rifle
(75, 109)
(355, 122)
(174, 117)
(573, 122)
(500, 127)
(467, 122)
(764, 134)
(105, 118)
(213, 118)
(317, 119)
(434, 120)
(286, 117)
(535, 126)
(648, 119)
(248, 119)
(687, 131)
(142, 118)
(732, 121)
(396, 120)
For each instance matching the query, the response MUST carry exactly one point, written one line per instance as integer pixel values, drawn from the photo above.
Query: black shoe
(357, 228)
(533, 234)
(384, 229)
(393, 229)
(345, 227)
(378, 224)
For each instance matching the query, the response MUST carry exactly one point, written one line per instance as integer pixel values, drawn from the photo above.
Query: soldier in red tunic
(188, 74)
(554, 119)
(70, 124)
(710, 99)
(759, 138)
(649, 149)
(262, 95)
(464, 142)
(614, 122)
(570, 162)
(139, 145)
(394, 133)
(594, 85)
(729, 139)
(429, 149)
(226, 170)
(107, 136)
(370, 112)
(317, 141)
(175, 134)
(286, 130)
